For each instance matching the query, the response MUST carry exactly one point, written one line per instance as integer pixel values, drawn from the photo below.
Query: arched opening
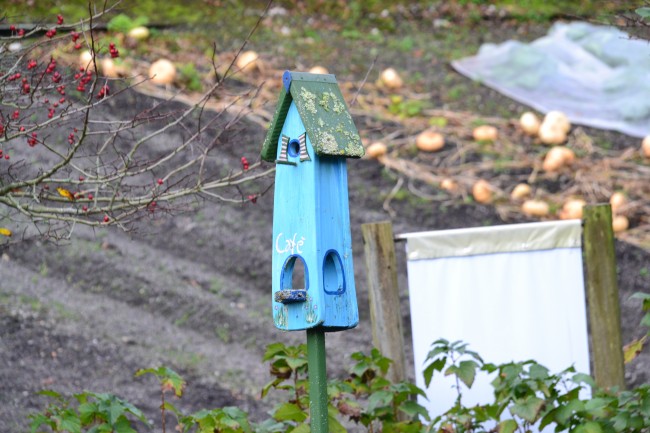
(333, 276)
(294, 281)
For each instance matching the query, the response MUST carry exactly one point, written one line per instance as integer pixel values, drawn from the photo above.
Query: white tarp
(513, 292)
(597, 75)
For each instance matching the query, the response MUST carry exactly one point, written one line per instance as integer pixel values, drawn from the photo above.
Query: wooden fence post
(602, 297)
(383, 293)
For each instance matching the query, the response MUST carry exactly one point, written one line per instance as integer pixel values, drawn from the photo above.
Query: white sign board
(513, 292)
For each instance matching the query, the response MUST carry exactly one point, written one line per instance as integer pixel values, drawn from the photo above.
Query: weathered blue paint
(311, 222)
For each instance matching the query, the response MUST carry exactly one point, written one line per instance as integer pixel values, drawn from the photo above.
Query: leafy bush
(526, 394)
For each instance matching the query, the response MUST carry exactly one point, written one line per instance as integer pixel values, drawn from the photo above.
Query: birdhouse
(310, 137)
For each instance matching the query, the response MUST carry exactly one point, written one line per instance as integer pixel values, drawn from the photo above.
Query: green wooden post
(602, 297)
(317, 380)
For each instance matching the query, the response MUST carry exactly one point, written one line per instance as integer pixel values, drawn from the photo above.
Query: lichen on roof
(322, 109)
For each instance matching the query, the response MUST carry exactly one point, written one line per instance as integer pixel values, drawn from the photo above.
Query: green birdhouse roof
(327, 121)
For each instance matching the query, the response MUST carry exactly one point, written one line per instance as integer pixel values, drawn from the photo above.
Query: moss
(325, 101)
(339, 107)
(327, 143)
(308, 100)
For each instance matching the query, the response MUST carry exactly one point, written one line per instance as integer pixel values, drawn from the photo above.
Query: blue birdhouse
(311, 136)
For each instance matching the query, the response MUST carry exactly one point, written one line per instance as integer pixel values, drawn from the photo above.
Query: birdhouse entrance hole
(333, 276)
(294, 281)
(294, 148)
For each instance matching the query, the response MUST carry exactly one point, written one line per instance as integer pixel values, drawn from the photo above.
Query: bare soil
(192, 290)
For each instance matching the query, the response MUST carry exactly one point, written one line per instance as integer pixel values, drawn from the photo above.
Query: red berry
(16, 115)
(106, 219)
(21, 33)
(84, 208)
(77, 46)
(59, 19)
(160, 181)
(7, 156)
(252, 198)
(81, 178)
(90, 196)
(12, 28)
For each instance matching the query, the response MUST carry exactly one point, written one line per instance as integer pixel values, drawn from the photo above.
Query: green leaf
(273, 349)
(171, 408)
(597, 407)
(620, 421)
(71, 423)
(296, 363)
(589, 427)
(38, 420)
(565, 412)
(87, 412)
(507, 426)
(334, 426)
(548, 418)
(528, 408)
(413, 408)
(302, 428)
(467, 372)
(50, 393)
(115, 411)
(123, 426)
(583, 378)
(379, 399)
(271, 384)
(643, 12)
(537, 372)
(436, 365)
(134, 410)
(289, 412)
(645, 321)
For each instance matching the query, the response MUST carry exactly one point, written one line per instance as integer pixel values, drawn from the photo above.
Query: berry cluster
(75, 37)
(114, 52)
(244, 163)
(71, 137)
(20, 32)
(103, 92)
(84, 78)
(32, 140)
(51, 66)
(26, 86)
(50, 33)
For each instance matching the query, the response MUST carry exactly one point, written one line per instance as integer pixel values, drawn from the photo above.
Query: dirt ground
(192, 291)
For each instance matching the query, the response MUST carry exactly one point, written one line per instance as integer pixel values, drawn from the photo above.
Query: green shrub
(525, 394)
